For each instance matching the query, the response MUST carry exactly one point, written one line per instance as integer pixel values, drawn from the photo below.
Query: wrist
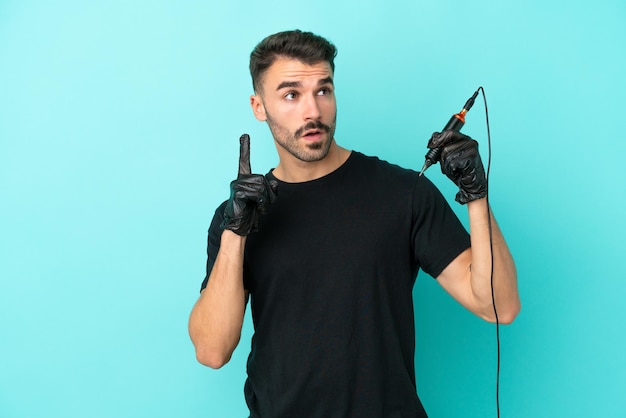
(232, 242)
(478, 212)
(478, 204)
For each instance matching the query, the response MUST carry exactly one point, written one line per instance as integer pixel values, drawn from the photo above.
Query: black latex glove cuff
(250, 197)
(460, 162)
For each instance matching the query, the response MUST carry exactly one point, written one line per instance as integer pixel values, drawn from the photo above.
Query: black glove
(461, 162)
(250, 195)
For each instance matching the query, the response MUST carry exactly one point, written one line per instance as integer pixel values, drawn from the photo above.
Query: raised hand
(461, 162)
(250, 195)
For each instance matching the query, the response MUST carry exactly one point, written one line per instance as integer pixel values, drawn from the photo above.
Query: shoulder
(375, 163)
(218, 217)
(219, 211)
(387, 171)
(402, 185)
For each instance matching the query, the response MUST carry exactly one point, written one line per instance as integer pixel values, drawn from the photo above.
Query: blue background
(119, 127)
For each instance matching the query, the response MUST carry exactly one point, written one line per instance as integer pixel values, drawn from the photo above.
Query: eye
(324, 91)
(291, 95)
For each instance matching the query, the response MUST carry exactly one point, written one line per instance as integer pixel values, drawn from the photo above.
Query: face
(298, 103)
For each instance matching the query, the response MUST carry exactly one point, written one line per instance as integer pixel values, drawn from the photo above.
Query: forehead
(287, 69)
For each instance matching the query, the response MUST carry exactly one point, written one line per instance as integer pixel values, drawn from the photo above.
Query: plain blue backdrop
(119, 127)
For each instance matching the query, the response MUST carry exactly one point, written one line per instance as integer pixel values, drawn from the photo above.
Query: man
(328, 245)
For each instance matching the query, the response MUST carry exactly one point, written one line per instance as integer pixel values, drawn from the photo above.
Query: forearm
(216, 319)
(504, 272)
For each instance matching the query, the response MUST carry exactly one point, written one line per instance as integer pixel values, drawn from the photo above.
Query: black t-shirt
(330, 273)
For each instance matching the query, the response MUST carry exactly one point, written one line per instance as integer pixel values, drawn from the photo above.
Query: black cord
(493, 295)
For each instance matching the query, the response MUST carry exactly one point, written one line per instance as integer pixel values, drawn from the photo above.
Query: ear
(258, 108)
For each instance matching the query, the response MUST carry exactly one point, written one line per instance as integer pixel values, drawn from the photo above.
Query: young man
(328, 245)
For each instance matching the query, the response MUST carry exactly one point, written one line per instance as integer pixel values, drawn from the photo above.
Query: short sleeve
(438, 235)
(213, 242)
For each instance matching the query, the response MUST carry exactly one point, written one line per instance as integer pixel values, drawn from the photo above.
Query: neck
(291, 170)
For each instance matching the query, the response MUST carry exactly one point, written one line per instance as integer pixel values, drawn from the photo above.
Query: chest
(328, 239)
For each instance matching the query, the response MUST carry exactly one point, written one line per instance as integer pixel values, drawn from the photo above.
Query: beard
(302, 150)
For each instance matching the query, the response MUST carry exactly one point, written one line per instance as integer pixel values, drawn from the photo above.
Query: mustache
(312, 125)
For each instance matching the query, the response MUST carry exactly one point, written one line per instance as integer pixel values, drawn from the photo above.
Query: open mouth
(313, 134)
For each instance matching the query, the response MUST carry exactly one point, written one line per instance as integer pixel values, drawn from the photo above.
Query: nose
(311, 109)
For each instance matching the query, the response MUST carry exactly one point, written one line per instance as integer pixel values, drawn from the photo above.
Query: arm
(468, 277)
(217, 317)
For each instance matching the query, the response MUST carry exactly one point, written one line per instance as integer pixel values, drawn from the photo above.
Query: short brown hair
(304, 46)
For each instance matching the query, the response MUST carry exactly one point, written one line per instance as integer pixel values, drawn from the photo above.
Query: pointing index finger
(244, 154)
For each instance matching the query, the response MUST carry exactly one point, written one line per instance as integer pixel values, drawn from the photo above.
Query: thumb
(273, 185)
(449, 136)
(435, 140)
(244, 155)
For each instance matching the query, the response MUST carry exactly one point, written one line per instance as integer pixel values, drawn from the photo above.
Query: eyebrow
(288, 84)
